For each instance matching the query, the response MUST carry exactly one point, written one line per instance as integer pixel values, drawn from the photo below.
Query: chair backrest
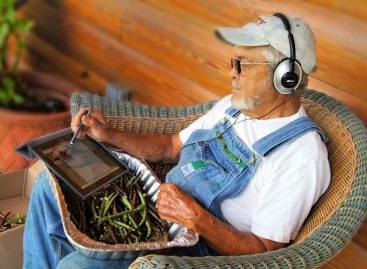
(341, 150)
(342, 158)
(343, 163)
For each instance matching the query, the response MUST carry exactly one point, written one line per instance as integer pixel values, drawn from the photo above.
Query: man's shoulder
(223, 104)
(300, 159)
(309, 148)
(218, 110)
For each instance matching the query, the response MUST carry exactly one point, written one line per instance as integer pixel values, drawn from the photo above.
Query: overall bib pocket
(190, 174)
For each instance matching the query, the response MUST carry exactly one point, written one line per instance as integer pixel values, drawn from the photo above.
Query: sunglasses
(238, 64)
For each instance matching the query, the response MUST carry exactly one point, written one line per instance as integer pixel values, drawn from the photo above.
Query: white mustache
(236, 85)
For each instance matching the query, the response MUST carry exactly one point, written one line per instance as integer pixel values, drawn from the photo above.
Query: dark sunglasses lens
(237, 65)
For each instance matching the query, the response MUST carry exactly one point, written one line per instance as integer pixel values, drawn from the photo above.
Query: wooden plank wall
(134, 42)
(166, 53)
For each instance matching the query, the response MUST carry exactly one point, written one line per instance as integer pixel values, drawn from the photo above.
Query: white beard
(246, 104)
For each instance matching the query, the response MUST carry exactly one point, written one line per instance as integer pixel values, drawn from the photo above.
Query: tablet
(86, 166)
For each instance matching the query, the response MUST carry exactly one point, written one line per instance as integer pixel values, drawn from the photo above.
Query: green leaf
(4, 32)
(11, 25)
(23, 26)
(8, 83)
(21, 44)
(18, 99)
(8, 93)
(10, 14)
(2, 97)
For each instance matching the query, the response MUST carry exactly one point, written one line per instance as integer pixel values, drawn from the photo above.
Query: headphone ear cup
(284, 79)
(289, 80)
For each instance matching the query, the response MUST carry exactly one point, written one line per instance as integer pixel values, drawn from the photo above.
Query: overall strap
(232, 112)
(290, 131)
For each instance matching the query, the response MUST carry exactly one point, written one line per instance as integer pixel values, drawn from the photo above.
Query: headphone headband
(288, 73)
(285, 20)
(287, 25)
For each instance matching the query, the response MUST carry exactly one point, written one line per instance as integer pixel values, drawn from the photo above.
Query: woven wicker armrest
(137, 118)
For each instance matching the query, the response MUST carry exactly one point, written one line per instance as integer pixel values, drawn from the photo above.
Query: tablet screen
(85, 165)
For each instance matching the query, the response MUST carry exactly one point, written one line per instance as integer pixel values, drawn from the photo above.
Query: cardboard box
(15, 190)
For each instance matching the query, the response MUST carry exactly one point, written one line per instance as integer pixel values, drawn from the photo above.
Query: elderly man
(251, 168)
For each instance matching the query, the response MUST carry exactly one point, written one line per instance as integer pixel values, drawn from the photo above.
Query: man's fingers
(168, 187)
(98, 115)
(95, 125)
(163, 208)
(76, 120)
(91, 121)
(82, 133)
(82, 111)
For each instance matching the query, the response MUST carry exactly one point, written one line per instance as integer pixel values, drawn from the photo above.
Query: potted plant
(31, 103)
(9, 220)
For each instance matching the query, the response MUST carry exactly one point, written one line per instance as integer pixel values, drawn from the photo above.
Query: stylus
(78, 130)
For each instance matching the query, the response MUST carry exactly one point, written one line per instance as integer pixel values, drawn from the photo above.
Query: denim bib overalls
(216, 164)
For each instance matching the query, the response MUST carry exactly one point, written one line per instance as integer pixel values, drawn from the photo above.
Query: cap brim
(239, 36)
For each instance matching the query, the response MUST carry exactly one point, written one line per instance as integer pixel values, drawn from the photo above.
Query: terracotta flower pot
(17, 127)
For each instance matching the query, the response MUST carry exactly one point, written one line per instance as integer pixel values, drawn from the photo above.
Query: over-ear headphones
(287, 74)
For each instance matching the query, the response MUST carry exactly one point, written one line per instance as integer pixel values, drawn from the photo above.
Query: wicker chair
(333, 220)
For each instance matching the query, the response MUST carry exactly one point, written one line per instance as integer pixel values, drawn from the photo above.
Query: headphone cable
(235, 122)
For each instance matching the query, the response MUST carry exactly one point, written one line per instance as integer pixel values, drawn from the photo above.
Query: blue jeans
(45, 244)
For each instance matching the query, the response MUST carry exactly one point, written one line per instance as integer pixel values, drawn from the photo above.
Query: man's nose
(234, 73)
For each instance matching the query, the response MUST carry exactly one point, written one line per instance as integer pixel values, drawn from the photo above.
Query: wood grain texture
(178, 35)
(107, 16)
(361, 237)
(351, 257)
(174, 39)
(43, 56)
(117, 62)
(342, 60)
(354, 8)
(359, 106)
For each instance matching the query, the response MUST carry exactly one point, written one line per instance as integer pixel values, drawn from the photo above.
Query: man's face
(253, 87)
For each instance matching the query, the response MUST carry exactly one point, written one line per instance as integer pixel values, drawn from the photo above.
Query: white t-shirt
(287, 182)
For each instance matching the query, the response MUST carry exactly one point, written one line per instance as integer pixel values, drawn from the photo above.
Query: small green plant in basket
(9, 220)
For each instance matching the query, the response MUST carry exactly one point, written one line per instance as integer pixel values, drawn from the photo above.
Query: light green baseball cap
(270, 31)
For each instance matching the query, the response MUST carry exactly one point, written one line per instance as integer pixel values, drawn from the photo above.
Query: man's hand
(95, 125)
(177, 206)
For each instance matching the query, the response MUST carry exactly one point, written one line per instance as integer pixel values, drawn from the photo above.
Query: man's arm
(151, 147)
(177, 206)
(230, 241)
